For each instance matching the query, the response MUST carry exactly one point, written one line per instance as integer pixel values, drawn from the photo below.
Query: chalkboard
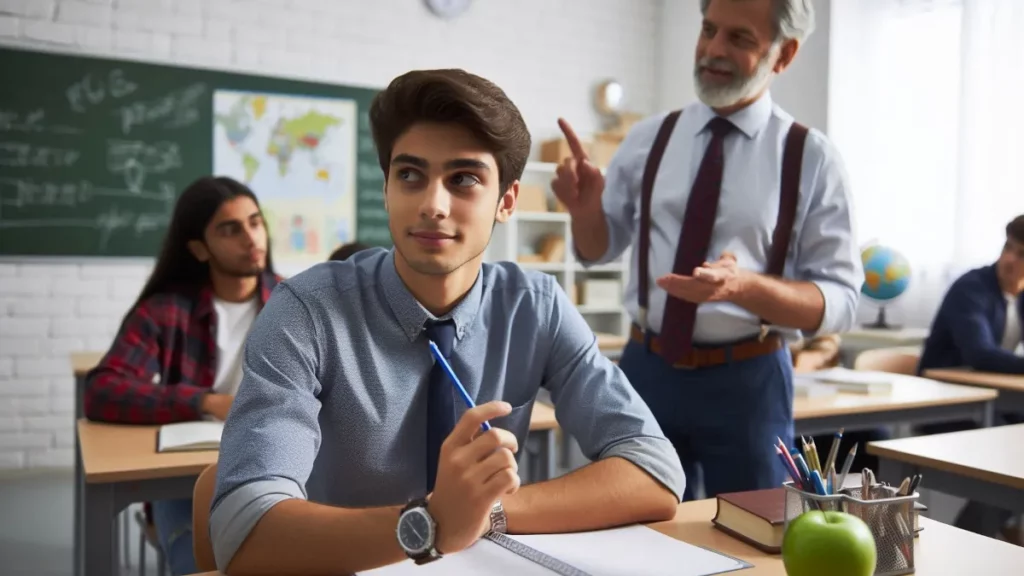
(94, 152)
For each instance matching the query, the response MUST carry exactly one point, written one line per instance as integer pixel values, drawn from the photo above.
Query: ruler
(534, 555)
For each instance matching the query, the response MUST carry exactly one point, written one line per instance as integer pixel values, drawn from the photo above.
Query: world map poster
(298, 155)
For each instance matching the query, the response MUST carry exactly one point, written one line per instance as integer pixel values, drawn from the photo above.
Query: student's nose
(436, 201)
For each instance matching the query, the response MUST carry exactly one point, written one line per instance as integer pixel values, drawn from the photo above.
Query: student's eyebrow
(457, 163)
(411, 160)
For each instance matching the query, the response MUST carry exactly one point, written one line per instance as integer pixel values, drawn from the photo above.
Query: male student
(746, 242)
(978, 326)
(177, 356)
(349, 448)
(345, 251)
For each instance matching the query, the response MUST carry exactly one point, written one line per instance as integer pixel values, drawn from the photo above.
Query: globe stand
(880, 323)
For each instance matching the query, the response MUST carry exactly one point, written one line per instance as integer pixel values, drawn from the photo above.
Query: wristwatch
(499, 522)
(417, 532)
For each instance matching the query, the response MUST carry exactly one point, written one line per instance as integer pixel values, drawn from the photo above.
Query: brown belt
(703, 357)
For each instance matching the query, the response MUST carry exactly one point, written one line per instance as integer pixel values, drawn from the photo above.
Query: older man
(742, 232)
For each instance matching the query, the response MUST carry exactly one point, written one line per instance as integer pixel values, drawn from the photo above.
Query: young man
(178, 354)
(978, 325)
(747, 242)
(346, 431)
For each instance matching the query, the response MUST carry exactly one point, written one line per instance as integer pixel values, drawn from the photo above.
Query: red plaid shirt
(162, 362)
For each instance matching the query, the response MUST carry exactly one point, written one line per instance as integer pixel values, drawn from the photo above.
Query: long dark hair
(176, 267)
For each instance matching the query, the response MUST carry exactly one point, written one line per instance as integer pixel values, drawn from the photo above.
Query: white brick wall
(547, 54)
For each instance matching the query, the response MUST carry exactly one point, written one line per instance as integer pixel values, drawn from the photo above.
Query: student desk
(862, 339)
(986, 465)
(940, 549)
(913, 400)
(1010, 386)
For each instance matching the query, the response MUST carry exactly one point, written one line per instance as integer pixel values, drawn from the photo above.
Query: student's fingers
(498, 460)
(572, 139)
(503, 482)
(467, 426)
(485, 444)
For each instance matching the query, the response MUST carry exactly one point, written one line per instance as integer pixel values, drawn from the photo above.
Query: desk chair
(202, 497)
(899, 360)
(147, 535)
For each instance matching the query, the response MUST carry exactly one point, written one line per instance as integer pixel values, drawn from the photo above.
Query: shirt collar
(267, 282)
(750, 120)
(412, 316)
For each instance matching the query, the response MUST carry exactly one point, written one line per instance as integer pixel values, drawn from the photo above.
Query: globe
(886, 277)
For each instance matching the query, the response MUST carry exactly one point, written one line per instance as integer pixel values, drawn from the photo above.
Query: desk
(855, 341)
(1010, 386)
(913, 400)
(986, 465)
(940, 549)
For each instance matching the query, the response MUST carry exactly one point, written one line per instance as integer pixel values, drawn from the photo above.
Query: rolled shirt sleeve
(596, 404)
(272, 435)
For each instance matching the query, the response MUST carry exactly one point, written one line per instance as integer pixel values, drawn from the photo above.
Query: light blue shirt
(823, 248)
(332, 405)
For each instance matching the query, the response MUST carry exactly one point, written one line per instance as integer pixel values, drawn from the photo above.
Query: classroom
(537, 287)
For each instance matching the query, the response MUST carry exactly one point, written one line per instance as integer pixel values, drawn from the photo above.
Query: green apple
(817, 543)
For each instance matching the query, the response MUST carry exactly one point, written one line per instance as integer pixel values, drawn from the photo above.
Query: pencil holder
(889, 517)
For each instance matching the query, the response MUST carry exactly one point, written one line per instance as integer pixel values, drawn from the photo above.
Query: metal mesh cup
(889, 517)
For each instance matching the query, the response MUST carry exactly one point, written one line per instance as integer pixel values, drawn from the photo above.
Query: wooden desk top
(82, 362)
(990, 454)
(907, 392)
(940, 549)
(1013, 382)
(116, 452)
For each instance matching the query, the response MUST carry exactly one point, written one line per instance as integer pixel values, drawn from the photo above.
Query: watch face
(415, 531)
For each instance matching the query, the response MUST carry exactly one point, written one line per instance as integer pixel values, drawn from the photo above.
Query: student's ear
(507, 203)
(385, 191)
(198, 249)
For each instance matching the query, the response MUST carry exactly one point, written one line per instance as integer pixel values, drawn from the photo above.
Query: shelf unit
(522, 233)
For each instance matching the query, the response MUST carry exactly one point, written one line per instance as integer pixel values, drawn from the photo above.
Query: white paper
(628, 551)
(181, 435)
(631, 550)
(846, 376)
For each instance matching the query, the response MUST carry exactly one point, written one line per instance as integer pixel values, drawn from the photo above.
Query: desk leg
(989, 415)
(99, 537)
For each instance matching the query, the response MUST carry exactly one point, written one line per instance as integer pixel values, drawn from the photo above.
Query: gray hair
(794, 19)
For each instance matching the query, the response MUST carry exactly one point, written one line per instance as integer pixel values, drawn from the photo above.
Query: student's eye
(408, 175)
(464, 179)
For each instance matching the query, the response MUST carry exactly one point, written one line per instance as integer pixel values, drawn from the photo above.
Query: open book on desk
(626, 551)
(189, 436)
(854, 381)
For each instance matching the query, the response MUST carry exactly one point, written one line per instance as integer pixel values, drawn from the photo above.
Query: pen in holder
(889, 517)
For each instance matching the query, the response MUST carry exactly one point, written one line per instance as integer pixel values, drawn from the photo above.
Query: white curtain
(925, 108)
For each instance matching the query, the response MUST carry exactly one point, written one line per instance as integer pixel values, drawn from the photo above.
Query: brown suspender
(792, 163)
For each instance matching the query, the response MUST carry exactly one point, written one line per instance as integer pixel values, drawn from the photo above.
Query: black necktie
(694, 239)
(440, 404)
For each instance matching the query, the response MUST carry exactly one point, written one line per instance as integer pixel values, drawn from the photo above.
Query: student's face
(1011, 262)
(235, 240)
(736, 53)
(443, 198)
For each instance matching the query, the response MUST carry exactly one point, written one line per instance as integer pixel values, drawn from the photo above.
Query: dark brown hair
(1015, 229)
(457, 97)
(343, 252)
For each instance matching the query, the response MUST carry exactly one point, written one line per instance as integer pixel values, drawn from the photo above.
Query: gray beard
(739, 89)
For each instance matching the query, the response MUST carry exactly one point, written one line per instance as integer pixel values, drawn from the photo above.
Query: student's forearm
(300, 537)
(590, 235)
(607, 493)
(782, 302)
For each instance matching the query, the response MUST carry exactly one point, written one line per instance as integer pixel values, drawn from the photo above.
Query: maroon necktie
(694, 239)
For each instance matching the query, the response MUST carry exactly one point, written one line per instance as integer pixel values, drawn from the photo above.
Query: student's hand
(474, 471)
(217, 405)
(577, 182)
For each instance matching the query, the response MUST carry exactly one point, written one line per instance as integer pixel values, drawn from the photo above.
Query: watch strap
(431, 553)
(499, 521)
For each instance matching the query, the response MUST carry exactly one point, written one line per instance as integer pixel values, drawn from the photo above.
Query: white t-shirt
(233, 322)
(1012, 333)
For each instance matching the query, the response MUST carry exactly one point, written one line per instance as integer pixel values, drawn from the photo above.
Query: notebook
(756, 517)
(807, 387)
(626, 551)
(189, 436)
(855, 381)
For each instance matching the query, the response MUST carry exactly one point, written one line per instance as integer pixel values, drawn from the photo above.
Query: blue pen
(455, 380)
(801, 466)
(819, 486)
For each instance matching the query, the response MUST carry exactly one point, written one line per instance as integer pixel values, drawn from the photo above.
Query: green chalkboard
(94, 152)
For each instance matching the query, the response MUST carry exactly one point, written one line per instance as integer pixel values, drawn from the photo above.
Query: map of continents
(298, 156)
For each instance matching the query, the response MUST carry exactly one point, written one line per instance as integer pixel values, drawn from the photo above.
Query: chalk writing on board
(11, 121)
(21, 155)
(177, 109)
(24, 192)
(108, 222)
(91, 90)
(135, 159)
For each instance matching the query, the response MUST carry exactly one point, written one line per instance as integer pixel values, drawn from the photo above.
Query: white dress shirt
(823, 248)
(1012, 332)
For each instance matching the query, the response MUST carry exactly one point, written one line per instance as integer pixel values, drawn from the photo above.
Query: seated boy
(348, 447)
(178, 354)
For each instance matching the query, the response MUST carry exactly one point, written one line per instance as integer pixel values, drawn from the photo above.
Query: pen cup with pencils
(889, 516)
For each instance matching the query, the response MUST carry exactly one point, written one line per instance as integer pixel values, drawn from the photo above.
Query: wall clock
(447, 8)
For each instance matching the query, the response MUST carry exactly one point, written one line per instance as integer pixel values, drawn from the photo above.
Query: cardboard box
(532, 198)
